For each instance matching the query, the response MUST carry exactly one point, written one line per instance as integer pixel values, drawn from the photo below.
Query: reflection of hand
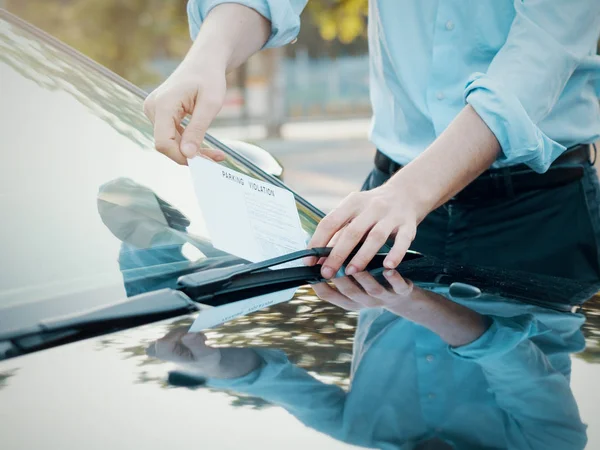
(190, 351)
(187, 349)
(454, 323)
(367, 292)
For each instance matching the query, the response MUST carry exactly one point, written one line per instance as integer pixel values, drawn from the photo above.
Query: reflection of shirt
(508, 389)
(527, 67)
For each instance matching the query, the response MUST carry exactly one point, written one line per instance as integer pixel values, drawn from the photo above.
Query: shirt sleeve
(547, 42)
(284, 16)
(541, 411)
(278, 381)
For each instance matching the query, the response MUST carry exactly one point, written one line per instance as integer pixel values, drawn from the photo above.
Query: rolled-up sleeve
(534, 395)
(284, 16)
(547, 42)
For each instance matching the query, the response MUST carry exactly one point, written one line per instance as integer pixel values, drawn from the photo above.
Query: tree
(123, 35)
(344, 20)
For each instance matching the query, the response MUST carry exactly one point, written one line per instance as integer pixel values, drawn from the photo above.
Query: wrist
(207, 55)
(416, 194)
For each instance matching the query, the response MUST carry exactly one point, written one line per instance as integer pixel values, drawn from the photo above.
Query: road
(324, 172)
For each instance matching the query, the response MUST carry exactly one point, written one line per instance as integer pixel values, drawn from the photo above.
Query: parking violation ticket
(247, 218)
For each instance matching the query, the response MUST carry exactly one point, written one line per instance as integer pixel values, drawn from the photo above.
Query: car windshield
(90, 211)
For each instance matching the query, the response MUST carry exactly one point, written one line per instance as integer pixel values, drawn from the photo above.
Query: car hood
(106, 393)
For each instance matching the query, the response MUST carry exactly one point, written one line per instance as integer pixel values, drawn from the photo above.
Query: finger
(310, 261)
(170, 348)
(333, 222)
(149, 106)
(166, 133)
(375, 240)
(213, 153)
(401, 244)
(205, 111)
(349, 239)
(327, 293)
(196, 343)
(370, 285)
(398, 284)
(350, 289)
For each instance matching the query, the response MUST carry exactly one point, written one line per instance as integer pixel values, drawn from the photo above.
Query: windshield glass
(89, 209)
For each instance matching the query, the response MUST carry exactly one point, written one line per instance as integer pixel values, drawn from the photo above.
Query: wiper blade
(138, 310)
(220, 286)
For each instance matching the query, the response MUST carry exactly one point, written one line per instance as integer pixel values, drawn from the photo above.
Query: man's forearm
(229, 35)
(457, 325)
(459, 155)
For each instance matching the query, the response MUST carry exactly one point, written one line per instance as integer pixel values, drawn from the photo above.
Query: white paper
(247, 218)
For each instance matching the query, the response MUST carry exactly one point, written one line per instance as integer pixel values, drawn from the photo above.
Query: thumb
(193, 135)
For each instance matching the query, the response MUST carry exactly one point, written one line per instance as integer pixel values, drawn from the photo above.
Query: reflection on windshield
(432, 367)
(154, 234)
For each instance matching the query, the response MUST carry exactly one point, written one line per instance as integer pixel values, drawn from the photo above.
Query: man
(457, 87)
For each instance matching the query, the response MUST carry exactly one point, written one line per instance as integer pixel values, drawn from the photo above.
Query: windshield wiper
(219, 286)
(207, 285)
(135, 311)
(225, 285)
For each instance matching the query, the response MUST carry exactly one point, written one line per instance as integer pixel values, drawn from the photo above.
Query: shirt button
(440, 95)
(429, 358)
(431, 396)
(449, 25)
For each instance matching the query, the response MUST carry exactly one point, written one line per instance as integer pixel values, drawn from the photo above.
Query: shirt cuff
(503, 335)
(284, 18)
(521, 140)
(274, 361)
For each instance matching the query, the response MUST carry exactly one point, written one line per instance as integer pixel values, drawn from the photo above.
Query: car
(106, 263)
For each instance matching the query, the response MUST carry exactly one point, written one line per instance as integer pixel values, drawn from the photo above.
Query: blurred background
(325, 74)
(307, 103)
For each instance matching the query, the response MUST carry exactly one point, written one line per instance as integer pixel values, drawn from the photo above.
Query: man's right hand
(229, 34)
(190, 90)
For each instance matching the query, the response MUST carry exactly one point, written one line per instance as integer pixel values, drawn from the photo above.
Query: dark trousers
(550, 231)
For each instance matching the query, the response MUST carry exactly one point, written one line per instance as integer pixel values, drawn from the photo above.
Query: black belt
(510, 181)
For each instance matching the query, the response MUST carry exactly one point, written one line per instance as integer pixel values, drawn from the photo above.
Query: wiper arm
(219, 286)
(135, 311)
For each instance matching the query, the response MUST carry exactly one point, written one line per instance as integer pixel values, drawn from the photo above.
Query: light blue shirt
(528, 67)
(508, 389)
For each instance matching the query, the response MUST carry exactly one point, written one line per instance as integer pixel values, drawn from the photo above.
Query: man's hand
(229, 34)
(461, 153)
(191, 90)
(373, 216)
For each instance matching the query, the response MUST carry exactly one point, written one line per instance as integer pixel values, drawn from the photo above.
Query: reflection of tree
(124, 35)
(591, 330)
(315, 335)
(4, 376)
(56, 71)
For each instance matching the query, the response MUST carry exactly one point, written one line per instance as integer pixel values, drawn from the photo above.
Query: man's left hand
(374, 216)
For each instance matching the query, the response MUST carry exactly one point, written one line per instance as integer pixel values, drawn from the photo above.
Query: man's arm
(548, 41)
(461, 153)
(231, 31)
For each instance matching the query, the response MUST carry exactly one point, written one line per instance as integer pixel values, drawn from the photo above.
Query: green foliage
(344, 20)
(123, 35)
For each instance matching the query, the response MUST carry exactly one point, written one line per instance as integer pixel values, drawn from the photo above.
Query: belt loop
(508, 184)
